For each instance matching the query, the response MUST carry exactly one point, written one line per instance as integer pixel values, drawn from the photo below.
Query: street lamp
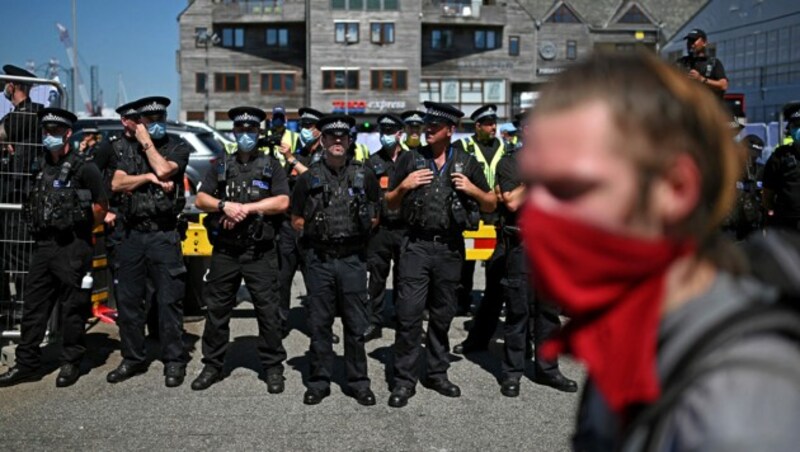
(203, 38)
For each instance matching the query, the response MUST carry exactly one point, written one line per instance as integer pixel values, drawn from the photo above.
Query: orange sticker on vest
(385, 182)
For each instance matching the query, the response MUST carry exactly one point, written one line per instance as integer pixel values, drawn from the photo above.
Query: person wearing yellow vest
(487, 149)
(289, 141)
(358, 151)
(413, 120)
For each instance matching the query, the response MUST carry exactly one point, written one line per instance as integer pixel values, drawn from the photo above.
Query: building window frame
(347, 27)
(200, 82)
(385, 32)
(232, 37)
(482, 38)
(283, 77)
(240, 83)
(572, 49)
(329, 78)
(398, 77)
(278, 33)
(445, 39)
(514, 45)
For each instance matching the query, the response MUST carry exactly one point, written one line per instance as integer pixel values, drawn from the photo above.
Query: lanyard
(437, 171)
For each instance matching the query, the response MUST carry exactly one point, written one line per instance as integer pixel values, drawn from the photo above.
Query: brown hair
(660, 114)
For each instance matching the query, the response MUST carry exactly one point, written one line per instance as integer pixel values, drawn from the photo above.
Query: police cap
(57, 116)
(390, 123)
(309, 116)
(336, 124)
(754, 143)
(152, 105)
(696, 33)
(129, 110)
(413, 117)
(17, 71)
(247, 116)
(485, 113)
(438, 112)
(791, 111)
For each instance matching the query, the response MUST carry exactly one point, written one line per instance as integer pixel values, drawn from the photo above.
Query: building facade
(758, 42)
(367, 57)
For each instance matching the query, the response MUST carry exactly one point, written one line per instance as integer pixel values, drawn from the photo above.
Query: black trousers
(488, 314)
(155, 255)
(466, 283)
(337, 284)
(290, 259)
(426, 268)
(55, 275)
(525, 311)
(259, 268)
(383, 249)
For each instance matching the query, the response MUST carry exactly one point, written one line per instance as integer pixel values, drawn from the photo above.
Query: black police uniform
(708, 67)
(290, 256)
(431, 259)
(338, 206)
(782, 177)
(247, 251)
(60, 218)
(384, 245)
(152, 247)
(485, 153)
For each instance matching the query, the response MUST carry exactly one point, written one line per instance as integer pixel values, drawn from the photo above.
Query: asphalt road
(239, 414)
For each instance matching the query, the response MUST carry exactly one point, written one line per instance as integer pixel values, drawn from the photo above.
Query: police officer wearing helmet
(334, 204)
(413, 128)
(781, 193)
(384, 246)
(283, 142)
(442, 192)
(290, 257)
(150, 174)
(66, 201)
(699, 66)
(487, 149)
(245, 197)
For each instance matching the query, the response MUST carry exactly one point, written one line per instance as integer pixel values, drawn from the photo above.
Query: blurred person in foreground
(621, 230)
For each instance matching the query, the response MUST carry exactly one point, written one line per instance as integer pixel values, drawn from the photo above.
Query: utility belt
(393, 224)
(256, 230)
(336, 249)
(60, 236)
(446, 237)
(151, 224)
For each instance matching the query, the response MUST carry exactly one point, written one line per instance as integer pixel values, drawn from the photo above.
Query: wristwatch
(292, 163)
(221, 206)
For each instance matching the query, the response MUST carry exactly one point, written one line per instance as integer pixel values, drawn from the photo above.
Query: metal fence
(20, 146)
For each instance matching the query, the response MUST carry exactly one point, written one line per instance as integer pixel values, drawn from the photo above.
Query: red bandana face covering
(612, 287)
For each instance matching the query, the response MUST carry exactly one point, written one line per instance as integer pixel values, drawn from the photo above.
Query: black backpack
(774, 258)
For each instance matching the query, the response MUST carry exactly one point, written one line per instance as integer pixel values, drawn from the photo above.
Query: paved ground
(239, 414)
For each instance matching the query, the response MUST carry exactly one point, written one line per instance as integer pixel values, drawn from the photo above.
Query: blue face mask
(157, 130)
(307, 136)
(795, 133)
(388, 141)
(53, 143)
(246, 141)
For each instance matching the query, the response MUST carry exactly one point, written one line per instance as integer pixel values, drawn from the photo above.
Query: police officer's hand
(463, 184)
(110, 219)
(142, 135)
(228, 223)
(285, 149)
(168, 186)
(235, 211)
(418, 178)
(694, 75)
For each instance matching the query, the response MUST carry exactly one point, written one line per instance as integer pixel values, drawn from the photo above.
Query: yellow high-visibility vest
(489, 169)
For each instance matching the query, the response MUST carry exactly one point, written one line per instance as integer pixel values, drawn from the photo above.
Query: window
(346, 32)
(233, 37)
(373, 5)
(391, 5)
(389, 80)
(382, 32)
(563, 15)
(634, 16)
(429, 90)
(486, 39)
(200, 82)
(277, 37)
(572, 50)
(196, 116)
(441, 39)
(513, 45)
(471, 92)
(277, 83)
(231, 83)
(338, 4)
(199, 31)
(335, 79)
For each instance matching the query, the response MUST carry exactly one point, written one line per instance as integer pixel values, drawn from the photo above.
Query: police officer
(384, 245)
(245, 197)
(358, 151)
(526, 313)
(413, 128)
(487, 149)
(781, 190)
(441, 190)
(701, 67)
(151, 174)
(508, 133)
(67, 199)
(290, 257)
(334, 204)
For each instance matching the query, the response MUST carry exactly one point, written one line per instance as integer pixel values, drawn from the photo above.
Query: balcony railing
(263, 7)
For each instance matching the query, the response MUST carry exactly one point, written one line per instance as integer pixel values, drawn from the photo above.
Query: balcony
(259, 11)
(463, 12)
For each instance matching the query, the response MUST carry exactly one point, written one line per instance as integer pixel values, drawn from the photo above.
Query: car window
(208, 139)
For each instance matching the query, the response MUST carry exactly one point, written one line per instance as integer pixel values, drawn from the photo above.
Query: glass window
(634, 16)
(200, 82)
(239, 38)
(494, 91)
(391, 5)
(388, 80)
(283, 37)
(381, 33)
(480, 39)
(471, 92)
(513, 45)
(233, 37)
(288, 82)
(199, 31)
(356, 5)
(450, 91)
(335, 79)
(338, 4)
(346, 32)
(572, 50)
(563, 15)
(227, 37)
(373, 5)
(231, 83)
(352, 32)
